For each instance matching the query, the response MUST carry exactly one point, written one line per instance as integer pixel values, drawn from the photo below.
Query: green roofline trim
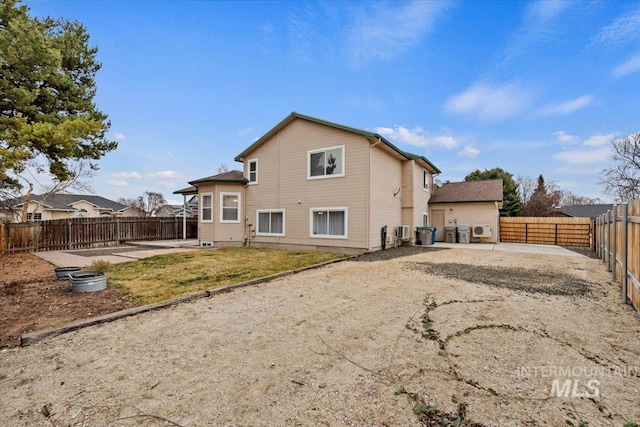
(364, 133)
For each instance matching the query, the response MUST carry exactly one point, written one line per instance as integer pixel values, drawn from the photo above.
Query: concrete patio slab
(525, 248)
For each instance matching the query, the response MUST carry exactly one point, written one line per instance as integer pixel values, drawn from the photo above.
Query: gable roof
(66, 201)
(367, 134)
(468, 191)
(588, 211)
(224, 177)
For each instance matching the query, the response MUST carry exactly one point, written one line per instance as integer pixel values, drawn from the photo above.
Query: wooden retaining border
(45, 334)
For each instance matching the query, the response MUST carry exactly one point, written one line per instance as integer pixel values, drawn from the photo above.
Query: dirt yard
(420, 340)
(31, 298)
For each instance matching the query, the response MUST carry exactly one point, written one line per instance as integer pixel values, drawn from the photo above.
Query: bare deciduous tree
(150, 202)
(570, 199)
(79, 174)
(622, 178)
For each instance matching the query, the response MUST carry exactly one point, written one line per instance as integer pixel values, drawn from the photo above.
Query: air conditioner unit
(483, 230)
(402, 232)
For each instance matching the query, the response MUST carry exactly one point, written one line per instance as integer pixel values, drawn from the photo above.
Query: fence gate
(576, 232)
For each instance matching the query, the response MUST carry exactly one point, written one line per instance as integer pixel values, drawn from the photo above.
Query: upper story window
(253, 171)
(425, 180)
(229, 207)
(206, 208)
(325, 163)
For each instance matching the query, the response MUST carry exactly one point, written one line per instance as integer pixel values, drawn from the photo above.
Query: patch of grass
(99, 266)
(163, 277)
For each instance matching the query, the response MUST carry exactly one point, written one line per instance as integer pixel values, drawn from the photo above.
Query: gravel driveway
(359, 343)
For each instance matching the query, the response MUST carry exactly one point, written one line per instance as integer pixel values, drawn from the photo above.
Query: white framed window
(229, 207)
(425, 180)
(425, 219)
(325, 163)
(206, 207)
(270, 222)
(253, 171)
(36, 217)
(331, 223)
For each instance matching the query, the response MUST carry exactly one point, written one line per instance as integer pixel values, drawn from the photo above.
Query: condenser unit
(403, 232)
(483, 230)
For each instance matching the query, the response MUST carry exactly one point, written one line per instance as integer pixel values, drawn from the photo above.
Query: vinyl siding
(222, 233)
(283, 184)
(473, 214)
(387, 195)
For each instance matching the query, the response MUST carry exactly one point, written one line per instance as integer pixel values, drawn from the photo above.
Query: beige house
(474, 203)
(309, 183)
(62, 206)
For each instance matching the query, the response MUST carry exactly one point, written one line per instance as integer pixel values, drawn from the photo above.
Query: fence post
(608, 240)
(614, 248)
(601, 237)
(117, 236)
(555, 237)
(625, 236)
(69, 235)
(526, 232)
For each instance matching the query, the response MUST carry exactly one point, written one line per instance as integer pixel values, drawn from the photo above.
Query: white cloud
(164, 183)
(119, 136)
(564, 137)
(370, 102)
(598, 140)
(491, 103)
(469, 151)
(383, 31)
(127, 175)
(417, 137)
(537, 26)
(621, 31)
(246, 131)
(630, 66)
(582, 156)
(566, 107)
(116, 183)
(163, 174)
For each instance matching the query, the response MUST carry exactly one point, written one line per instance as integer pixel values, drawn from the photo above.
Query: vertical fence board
(618, 246)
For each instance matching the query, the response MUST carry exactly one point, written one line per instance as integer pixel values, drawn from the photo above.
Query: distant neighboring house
(588, 211)
(475, 203)
(178, 211)
(59, 206)
(314, 184)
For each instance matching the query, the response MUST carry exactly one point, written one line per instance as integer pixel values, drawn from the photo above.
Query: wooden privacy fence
(547, 230)
(618, 245)
(81, 233)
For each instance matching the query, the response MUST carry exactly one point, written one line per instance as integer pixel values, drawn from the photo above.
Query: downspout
(497, 222)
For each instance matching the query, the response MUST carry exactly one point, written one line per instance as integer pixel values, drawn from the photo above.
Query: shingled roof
(588, 211)
(468, 191)
(65, 201)
(230, 176)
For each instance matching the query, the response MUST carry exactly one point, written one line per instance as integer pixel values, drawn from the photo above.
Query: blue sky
(533, 87)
